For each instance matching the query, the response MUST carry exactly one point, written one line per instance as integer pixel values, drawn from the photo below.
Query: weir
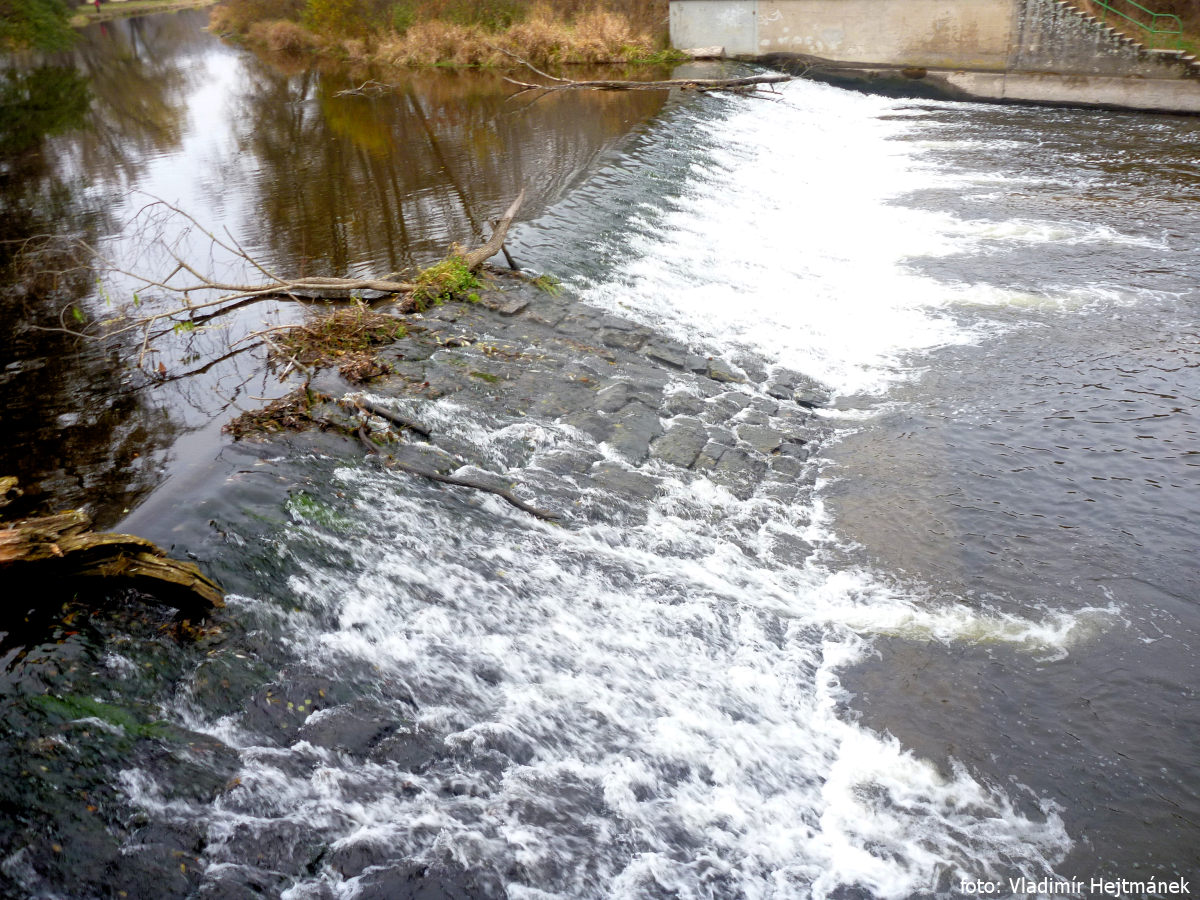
(1039, 51)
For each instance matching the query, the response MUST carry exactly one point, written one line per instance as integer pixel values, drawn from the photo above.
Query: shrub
(282, 36)
(402, 17)
(335, 17)
(239, 15)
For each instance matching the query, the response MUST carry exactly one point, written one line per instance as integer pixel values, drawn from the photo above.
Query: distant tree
(37, 104)
(35, 24)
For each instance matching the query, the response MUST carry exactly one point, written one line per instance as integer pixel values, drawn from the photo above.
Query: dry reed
(453, 32)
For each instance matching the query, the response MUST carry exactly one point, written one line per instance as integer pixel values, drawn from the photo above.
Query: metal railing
(1164, 25)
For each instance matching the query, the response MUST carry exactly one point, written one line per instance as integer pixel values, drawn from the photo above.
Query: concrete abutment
(1035, 51)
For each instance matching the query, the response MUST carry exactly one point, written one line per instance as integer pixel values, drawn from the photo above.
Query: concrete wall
(955, 33)
(979, 35)
(1051, 36)
(732, 24)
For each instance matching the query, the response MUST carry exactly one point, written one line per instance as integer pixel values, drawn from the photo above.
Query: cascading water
(651, 707)
(678, 695)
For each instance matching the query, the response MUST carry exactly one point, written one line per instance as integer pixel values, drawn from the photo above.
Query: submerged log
(747, 84)
(62, 548)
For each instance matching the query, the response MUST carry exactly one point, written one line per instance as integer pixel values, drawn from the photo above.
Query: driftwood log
(37, 553)
(743, 85)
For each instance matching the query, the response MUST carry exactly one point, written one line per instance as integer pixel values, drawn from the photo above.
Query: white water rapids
(665, 695)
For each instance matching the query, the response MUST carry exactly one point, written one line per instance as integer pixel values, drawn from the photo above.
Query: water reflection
(389, 180)
(308, 178)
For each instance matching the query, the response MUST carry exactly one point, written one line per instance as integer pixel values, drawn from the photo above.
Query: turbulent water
(985, 667)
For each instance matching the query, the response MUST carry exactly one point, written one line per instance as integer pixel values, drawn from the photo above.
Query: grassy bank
(397, 33)
(87, 13)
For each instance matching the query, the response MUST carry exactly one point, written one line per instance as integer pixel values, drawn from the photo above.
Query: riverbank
(87, 13)
(460, 35)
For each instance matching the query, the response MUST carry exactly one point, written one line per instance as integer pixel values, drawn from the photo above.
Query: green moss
(310, 509)
(74, 706)
(486, 376)
(668, 57)
(444, 281)
(548, 284)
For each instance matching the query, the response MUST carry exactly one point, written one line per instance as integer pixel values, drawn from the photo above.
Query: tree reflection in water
(309, 179)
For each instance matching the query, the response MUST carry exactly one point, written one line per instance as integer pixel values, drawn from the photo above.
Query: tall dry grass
(543, 37)
(455, 32)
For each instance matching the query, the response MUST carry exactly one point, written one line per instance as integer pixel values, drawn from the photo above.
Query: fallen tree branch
(392, 416)
(476, 258)
(195, 288)
(503, 494)
(745, 84)
(735, 85)
(61, 548)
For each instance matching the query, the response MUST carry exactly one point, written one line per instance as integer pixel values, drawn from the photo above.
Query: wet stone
(410, 370)
(351, 859)
(354, 729)
(710, 454)
(751, 416)
(791, 418)
(508, 305)
(334, 414)
(597, 426)
(558, 398)
(682, 404)
(724, 407)
(414, 882)
(623, 340)
(627, 483)
(409, 348)
(785, 466)
(618, 394)
(682, 443)
(790, 549)
(667, 352)
(633, 430)
(763, 439)
(447, 312)
(724, 372)
(277, 711)
(231, 882)
(797, 448)
(722, 436)
(739, 472)
(277, 845)
(764, 406)
(787, 493)
(422, 456)
(410, 750)
(567, 462)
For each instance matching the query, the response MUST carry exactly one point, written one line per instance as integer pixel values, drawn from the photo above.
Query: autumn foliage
(454, 32)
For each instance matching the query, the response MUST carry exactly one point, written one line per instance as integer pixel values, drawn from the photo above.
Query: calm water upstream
(985, 668)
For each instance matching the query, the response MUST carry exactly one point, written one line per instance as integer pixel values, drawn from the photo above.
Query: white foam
(688, 686)
(666, 691)
(786, 243)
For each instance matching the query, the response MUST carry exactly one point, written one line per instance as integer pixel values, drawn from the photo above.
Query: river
(962, 649)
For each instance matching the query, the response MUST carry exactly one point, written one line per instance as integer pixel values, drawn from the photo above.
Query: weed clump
(448, 280)
(345, 338)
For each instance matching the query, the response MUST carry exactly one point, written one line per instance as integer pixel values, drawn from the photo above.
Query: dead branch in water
(195, 288)
(748, 84)
(506, 495)
(62, 548)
